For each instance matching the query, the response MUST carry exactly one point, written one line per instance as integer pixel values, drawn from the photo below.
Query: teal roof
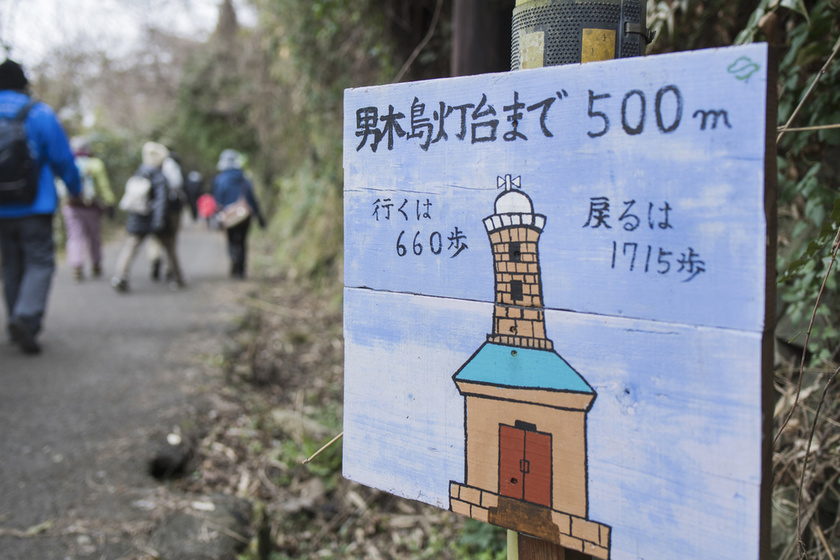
(525, 368)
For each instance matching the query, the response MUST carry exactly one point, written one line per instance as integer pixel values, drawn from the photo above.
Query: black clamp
(640, 29)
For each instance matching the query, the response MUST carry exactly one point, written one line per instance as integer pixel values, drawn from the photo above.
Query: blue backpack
(18, 169)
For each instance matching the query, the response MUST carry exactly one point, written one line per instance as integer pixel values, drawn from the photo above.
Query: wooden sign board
(555, 300)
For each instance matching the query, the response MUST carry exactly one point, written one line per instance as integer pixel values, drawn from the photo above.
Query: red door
(525, 464)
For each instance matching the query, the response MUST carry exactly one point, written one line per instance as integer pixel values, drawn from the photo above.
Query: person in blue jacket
(26, 232)
(228, 186)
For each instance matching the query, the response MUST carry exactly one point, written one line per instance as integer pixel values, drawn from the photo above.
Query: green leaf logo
(743, 68)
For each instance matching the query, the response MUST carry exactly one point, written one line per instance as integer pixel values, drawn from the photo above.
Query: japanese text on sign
(633, 256)
(480, 121)
(385, 209)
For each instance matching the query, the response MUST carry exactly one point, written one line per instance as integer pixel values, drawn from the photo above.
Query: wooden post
(538, 549)
(481, 38)
(530, 548)
(512, 545)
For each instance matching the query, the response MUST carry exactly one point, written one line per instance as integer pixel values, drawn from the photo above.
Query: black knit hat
(12, 76)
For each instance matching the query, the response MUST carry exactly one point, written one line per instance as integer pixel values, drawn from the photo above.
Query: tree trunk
(481, 36)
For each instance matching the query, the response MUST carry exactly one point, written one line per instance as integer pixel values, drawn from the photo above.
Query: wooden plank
(497, 281)
(674, 435)
(697, 193)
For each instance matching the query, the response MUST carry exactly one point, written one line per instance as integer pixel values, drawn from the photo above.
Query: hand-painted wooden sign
(555, 300)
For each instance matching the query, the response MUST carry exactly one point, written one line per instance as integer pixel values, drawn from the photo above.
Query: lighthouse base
(569, 531)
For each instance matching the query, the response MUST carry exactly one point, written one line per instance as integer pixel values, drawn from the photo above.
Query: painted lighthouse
(525, 427)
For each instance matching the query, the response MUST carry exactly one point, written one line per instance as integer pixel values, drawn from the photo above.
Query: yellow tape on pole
(597, 44)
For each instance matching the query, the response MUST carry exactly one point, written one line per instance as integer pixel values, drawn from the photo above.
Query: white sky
(33, 27)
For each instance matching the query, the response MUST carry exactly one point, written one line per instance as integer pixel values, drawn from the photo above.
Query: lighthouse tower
(525, 464)
(514, 230)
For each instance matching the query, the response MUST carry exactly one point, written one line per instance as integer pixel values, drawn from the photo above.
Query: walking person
(231, 187)
(171, 169)
(206, 206)
(194, 188)
(28, 201)
(147, 215)
(83, 215)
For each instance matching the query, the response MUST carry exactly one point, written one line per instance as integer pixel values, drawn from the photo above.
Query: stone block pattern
(518, 316)
(576, 533)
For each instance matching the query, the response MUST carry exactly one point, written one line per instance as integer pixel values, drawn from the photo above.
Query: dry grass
(281, 402)
(806, 465)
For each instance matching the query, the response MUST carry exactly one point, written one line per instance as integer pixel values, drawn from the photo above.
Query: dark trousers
(28, 254)
(237, 237)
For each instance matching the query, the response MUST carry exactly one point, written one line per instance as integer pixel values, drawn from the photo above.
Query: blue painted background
(674, 434)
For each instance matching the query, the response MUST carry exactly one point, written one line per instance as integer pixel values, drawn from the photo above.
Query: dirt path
(76, 422)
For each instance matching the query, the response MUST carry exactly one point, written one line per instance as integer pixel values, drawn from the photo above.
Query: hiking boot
(23, 336)
(119, 284)
(78, 274)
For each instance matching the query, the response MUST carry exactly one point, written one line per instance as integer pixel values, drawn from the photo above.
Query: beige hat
(154, 154)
